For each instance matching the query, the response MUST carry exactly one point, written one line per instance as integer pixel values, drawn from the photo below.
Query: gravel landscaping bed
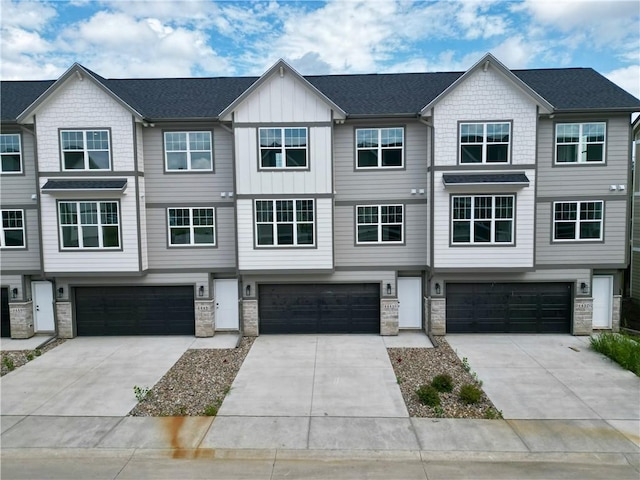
(418, 366)
(195, 385)
(18, 358)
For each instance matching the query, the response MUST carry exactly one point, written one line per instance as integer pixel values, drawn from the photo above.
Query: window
(577, 220)
(580, 142)
(283, 147)
(188, 151)
(284, 222)
(12, 229)
(89, 225)
(85, 150)
(380, 147)
(11, 153)
(191, 226)
(379, 223)
(482, 219)
(484, 142)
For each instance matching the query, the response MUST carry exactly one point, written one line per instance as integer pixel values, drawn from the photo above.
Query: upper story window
(188, 151)
(580, 142)
(485, 142)
(11, 153)
(191, 226)
(485, 219)
(12, 229)
(89, 225)
(284, 223)
(379, 147)
(85, 149)
(380, 223)
(283, 148)
(577, 220)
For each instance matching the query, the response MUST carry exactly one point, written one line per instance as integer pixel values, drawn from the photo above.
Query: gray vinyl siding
(15, 281)
(24, 260)
(636, 221)
(17, 189)
(635, 276)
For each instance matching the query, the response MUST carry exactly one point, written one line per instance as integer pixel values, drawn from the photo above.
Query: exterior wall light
(201, 291)
(14, 293)
(583, 287)
(438, 289)
(388, 289)
(247, 290)
(60, 292)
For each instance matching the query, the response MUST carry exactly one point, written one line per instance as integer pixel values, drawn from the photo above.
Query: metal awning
(76, 185)
(455, 179)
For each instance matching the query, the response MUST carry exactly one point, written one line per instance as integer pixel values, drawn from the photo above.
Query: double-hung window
(283, 147)
(191, 226)
(380, 224)
(283, 223)
(12, 229)
(484, 219)
(485, 142)
(188, 151)
(380, 147)
(85, 149)
(89, 225)
(580, 142)
(10, 153)
(577, 220)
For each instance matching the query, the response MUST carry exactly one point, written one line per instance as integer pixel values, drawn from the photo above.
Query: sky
(185, 38)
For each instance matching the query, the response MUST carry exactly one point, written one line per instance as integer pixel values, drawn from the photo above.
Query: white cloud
(27, 14)
(627, 78)
(516, 52)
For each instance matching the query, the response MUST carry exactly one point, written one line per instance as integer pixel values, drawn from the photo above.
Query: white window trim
(3, 243)
(577, 222)
(19, 172)
(275, 223)
(493, 219)
(80, 226)
(283, 149)
(85, 150)
(188, 151)
(485, 143)
(380, 148)
(581, 146)
(191, 227)
(379, 224)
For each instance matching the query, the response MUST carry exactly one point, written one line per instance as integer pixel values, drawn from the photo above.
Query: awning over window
(455, 179)
(115, 185)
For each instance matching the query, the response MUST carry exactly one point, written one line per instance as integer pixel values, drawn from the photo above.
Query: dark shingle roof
(482, 178)
(118, 184)
(16, 96)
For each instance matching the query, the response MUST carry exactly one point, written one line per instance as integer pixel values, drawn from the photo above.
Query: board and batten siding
(186, 187)
(81, 104)
(381, 184)
(411, 253)
(24, 259)
(17, 189)
(610, 252)
(252, 258)
(140, 145)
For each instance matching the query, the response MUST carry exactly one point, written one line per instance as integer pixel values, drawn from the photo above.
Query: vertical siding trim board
(554, 162)
(535, 185)
(39, 197)
(333, 187)
(431, 160)
(234, 172)
(134, 134)
(84, 129)
(483, 122)
(182, 130)
(378, 127)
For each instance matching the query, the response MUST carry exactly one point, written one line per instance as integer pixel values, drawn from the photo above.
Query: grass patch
(622, 349)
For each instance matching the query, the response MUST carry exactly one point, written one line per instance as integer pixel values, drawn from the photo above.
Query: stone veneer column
(65, 320)
(21, 319)
(617, 312)
(389, 323)
(205, 318)
(582, 316)
(438, 315)
(250, 318)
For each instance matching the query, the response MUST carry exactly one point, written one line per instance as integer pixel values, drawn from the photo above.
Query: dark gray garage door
(135, 310)
(319, 308)
(509, 308)
(5, 327)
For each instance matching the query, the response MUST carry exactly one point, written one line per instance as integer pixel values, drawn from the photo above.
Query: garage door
(509, 308)
(135, 310)
(5, 327)
(320, 308)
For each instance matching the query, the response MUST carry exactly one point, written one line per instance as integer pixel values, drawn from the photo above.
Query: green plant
(140, 393)
(428, 395)
(492, 414)
(438, 411)
(8, 363)
(37, 352)
(29, 356)
(465, 364)
(399, 380)
(470, 393)
(442, 383)
(181, 411)
(211, 410)
(621, 348)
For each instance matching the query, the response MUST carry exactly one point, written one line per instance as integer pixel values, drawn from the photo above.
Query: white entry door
(226, 298)
(602, 301)
(42, 294)
(410, 299)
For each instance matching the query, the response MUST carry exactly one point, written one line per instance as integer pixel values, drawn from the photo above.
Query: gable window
(12, 229)
(89, 225)
(85, 149)
(484, 142)
(284, 222)
(283, 147)
(580, 142)
(10, 153)
(379, 147)
(577, 220)
(191, 226)
(485, 219)
(380, 223)
(188, 151)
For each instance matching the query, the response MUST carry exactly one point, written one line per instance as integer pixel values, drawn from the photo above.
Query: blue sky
(178, 38)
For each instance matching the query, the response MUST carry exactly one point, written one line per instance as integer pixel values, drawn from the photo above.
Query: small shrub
(140, 393)
(428, 395)
(442, 383)
(29, 356)
(9, 363)
(470, 394)
(438, 411)
(37, 352)
(620, 348)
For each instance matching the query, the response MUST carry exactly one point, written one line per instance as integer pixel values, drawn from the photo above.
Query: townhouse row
(481, 201)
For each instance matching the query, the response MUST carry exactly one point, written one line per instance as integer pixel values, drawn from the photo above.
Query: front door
(602, 301)
(410, 299)
(226, 298)
(42, 293)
